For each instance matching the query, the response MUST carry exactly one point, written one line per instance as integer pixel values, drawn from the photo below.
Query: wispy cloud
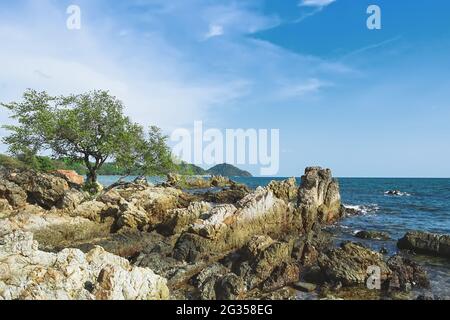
(297, 90)
(371, 47)
(152, 59)
(315, 3)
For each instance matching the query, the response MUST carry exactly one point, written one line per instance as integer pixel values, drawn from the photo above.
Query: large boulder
(319, 200)
(349, 264)
(286, 190)
(27, 273)
(12, 193)
(91, 210)
(426, 243)
(406, 274)
(180, 219)
(70, 175)
(137, 206)
(71, 199)
(155, 201)
(45, 190)
(373, 235)
(230, 195)
(227, 227)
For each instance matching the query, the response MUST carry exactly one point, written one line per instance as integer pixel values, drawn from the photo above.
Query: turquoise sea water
(424, 205)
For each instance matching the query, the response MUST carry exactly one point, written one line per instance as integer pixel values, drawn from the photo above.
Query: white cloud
(214, 31)
(151, 77)
(315, 3)
(298, 90)
(160, 70)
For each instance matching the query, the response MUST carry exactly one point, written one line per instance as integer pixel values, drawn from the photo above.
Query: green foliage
(11, 163)
(87, 129)
(227, 170)
(189, 169)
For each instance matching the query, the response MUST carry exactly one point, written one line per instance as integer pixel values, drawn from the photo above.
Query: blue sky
(362, 102)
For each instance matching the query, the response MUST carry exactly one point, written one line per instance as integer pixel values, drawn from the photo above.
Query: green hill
(227, 170)
(110, 168)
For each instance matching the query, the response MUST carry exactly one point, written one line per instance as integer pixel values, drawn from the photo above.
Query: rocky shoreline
(223, 241)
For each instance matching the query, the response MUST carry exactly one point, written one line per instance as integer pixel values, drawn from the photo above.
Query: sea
(422, 204)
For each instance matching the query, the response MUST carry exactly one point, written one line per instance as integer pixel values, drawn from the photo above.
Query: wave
(361, 209)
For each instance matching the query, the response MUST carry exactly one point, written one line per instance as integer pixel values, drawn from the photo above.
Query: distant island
(43, 163)
(227, 170)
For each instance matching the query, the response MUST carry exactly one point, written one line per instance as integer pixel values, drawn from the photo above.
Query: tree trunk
(92, 176)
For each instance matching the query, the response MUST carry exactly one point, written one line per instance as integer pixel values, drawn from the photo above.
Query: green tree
(89, 128)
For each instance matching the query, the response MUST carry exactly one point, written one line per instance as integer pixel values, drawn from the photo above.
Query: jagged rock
(206, 280)
(194, 182)
(349, 264)
(406, 274)
(53, 229)
(226, 226)
(111, 197)
(173, 180)
(133, 217)
(267, 259)
(319, 200)
(219, 181)
(4, 205)
(91, 210)
(180, 219)
(70, 176)
(155, 201)
(137, 205)
(267, 262)
(71, 199)
(27, 273)
(219, 218)
(256, 245)
(283, 275)
(286, 190)
(230, 287)
(306, 249)
(426, 243)
(42, 189)
(231, 195)
(11, 192)
(373, 235)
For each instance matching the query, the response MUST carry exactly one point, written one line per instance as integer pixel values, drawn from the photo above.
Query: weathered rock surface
(406, 274)
(194, 182)
(12, 193)
(229, 243)
(229, 195)
(27, 273)
(286, 190)
(349, 264)
(319, 200)
(70, 175)
(19, 188)
(426, 243)
(228, 227)
(373, 235)
(180, 219)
